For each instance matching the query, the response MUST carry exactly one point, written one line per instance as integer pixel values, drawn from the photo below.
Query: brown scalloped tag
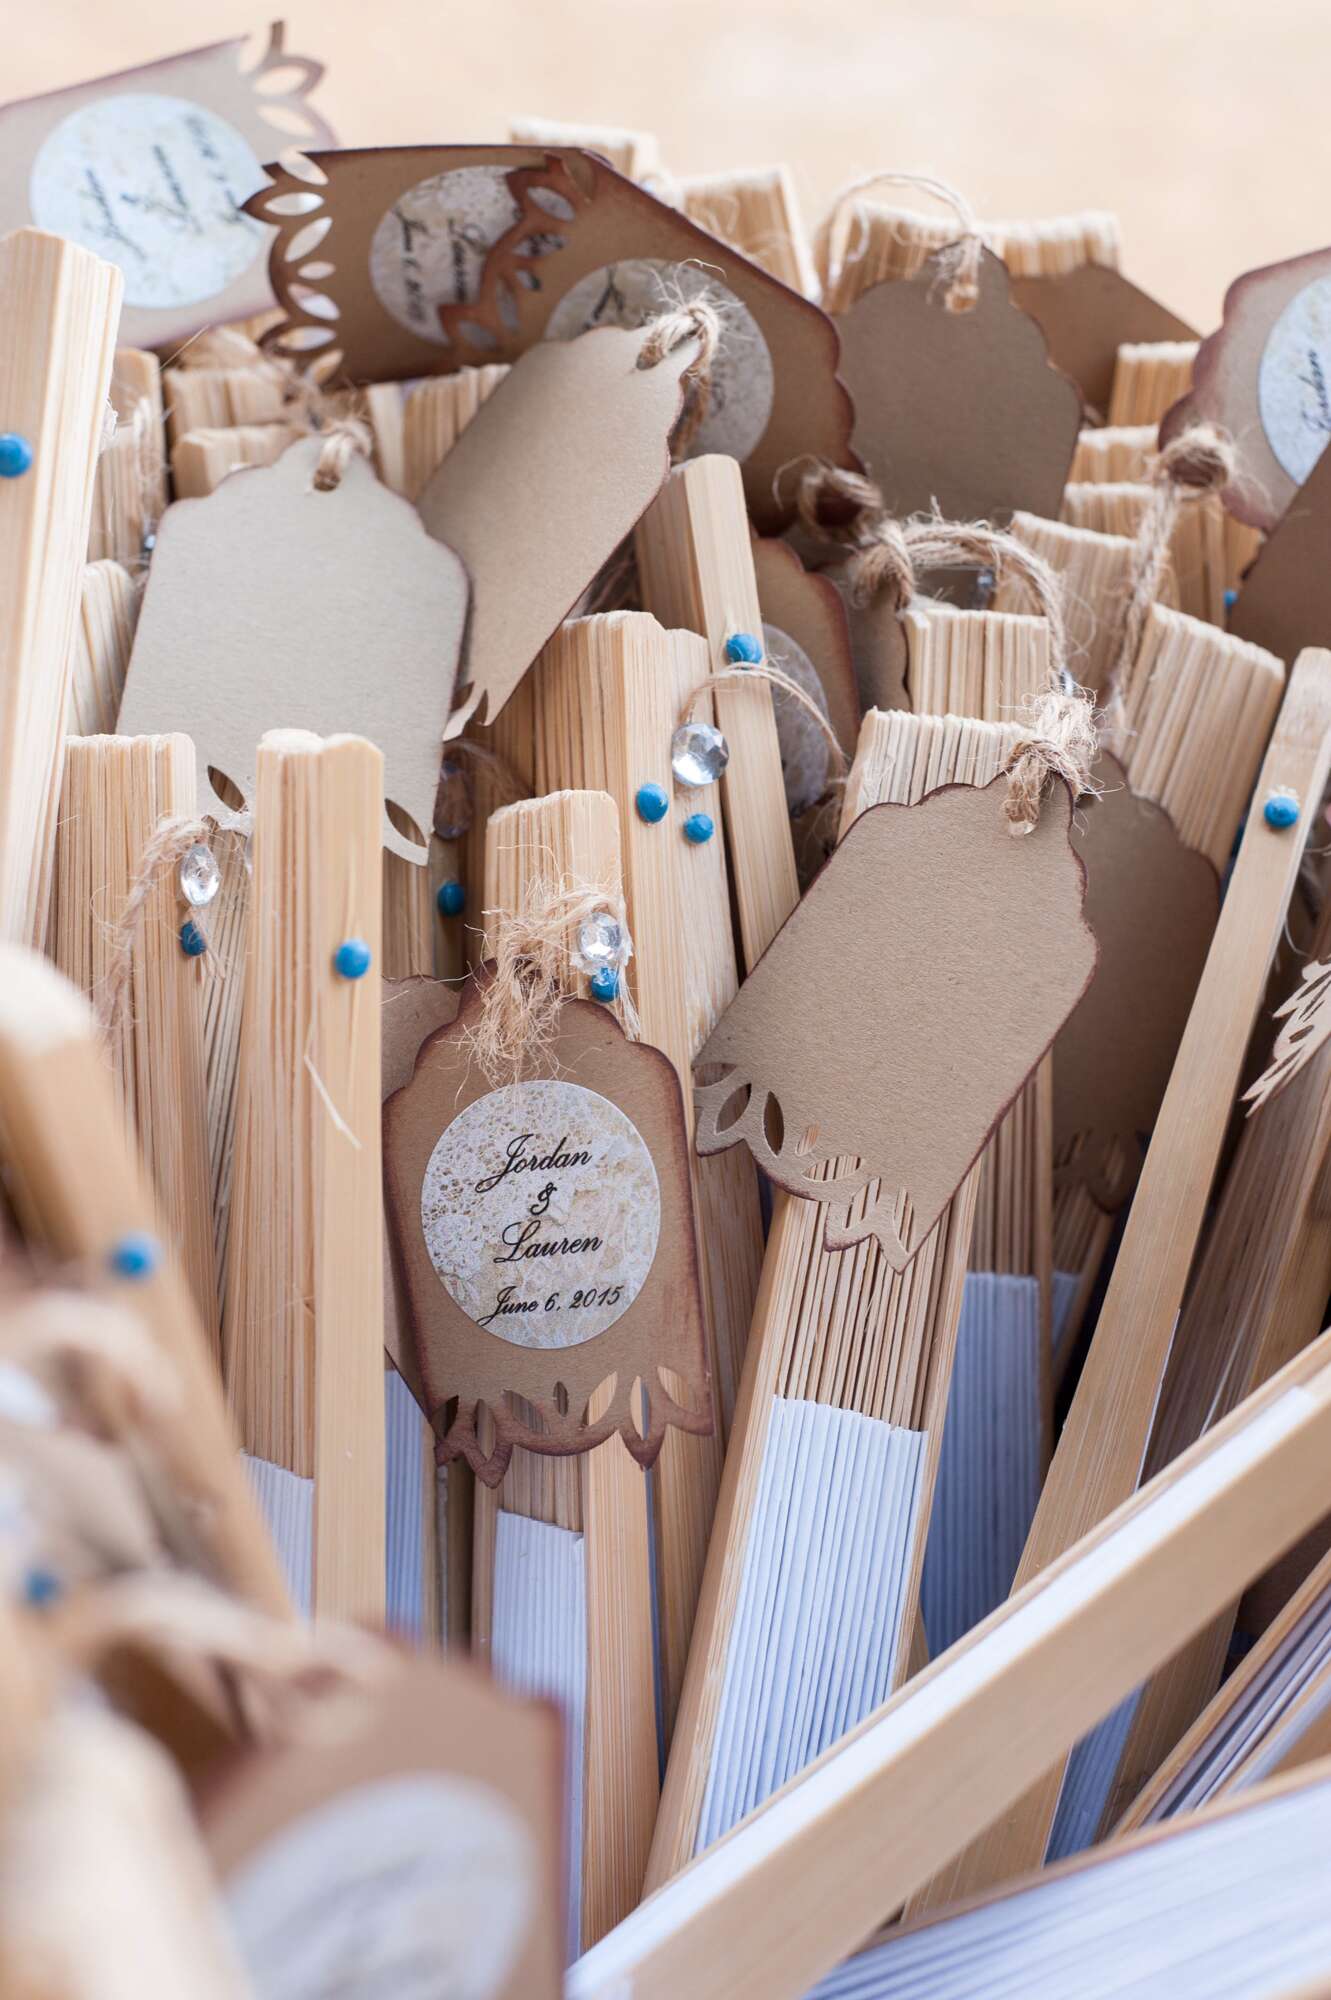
(272, 602)
(509, 246)
(952, 953)
(545, 1238)
(151, 168)
(406, 1842)
(1265, 378)
(958, 409)
(1086, 315)
(1153, 903)
(548, 478)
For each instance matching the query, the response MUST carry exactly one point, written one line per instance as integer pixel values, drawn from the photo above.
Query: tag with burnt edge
(1153, 903)
(957, 408)
(508, 246)
(328, 605)
(1265, 378)
(544, 1233)
(406, 1842)
(956, 953)
(150, 168)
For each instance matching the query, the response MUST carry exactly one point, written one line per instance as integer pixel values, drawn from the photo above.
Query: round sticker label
(804, 753)
(739, 403)
(541, 1211)
(419, 1888)
(430, 248)
(153, 184)
(1294, 381)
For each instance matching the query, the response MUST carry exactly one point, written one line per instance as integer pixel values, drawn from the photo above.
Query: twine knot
(882, 562)
(1062, 744)
(1202, 459)
(697, 320)
(535, 956)
(343, 439)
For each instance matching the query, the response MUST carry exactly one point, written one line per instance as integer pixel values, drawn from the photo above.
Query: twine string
(534, 965)
(764, 670)
(698, 321)
(958, 263)
(166, 847)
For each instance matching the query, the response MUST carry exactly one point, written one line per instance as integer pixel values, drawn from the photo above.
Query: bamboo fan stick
(573, 1532)
(806, 1879)
(696, 566)
(78, 1192)
(635, 154)
(1258, 1297)
(1149, 377)
(202, 458)
(812, 1582)
(1230, 1742)
(1198, 708)
(61, 305)
(1096, 571)
(865, 241)
(1197, 548)
(1242, 544)
(997, 1439)
(223, 1001)
(756, 210)
(607, 693)
(384, 404)
(117, 790)
(103, 637)
(214, 399)
(434, 417)
(303, 1328)
(1114, 455)
(1103, 1444)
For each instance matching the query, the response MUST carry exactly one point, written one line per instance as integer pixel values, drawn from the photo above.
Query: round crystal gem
(699, 754)
(600, 942)
(200, 876)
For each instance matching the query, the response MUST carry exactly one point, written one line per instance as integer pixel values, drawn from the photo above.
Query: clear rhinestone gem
(200, 876)
(600, 942)
(698, 753)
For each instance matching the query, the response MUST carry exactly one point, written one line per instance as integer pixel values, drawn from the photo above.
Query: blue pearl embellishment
(699, 827)
(352, 959)
(743, 650)
(1281, 810)
(192, 940)
(1231, 599)
(451, 899)
(652, 803)
(604, 984)
(41, 1587)
(15, 455)
(136, 1256)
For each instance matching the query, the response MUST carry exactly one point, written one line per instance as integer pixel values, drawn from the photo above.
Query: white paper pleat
(409, 1455)
(989, 1467)
(1233, 1910)
(286, 1502)
(1264, 1723)
(538, 1646)
(818, 1621)
(1088, 1780)
(1063, 1294)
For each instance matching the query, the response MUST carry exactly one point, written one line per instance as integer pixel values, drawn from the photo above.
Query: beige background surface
(1202, 122)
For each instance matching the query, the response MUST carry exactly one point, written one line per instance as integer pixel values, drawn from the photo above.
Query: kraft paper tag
(541, 488)
(1153, 903)
(1265, 378)
(150, 169)
(406, 1845)
(1086, 315)
(272, 603)
(544, 1235)
(1285, 596)
(806, 636)
(957, 409)
(1305, 1029)
(509, 246)
(952, 953)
